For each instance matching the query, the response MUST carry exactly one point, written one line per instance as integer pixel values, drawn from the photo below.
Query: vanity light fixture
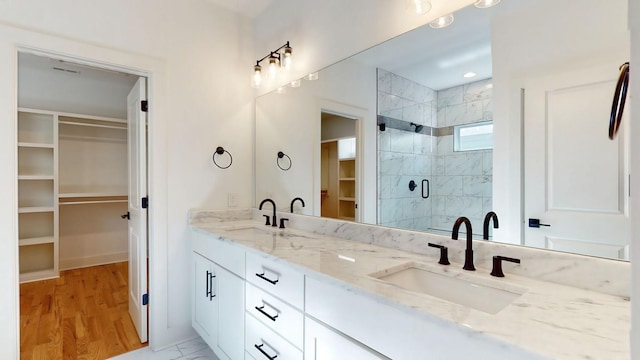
(279, 58)
(483, 4)
(418, 6)
(442, 21)
(469, 74)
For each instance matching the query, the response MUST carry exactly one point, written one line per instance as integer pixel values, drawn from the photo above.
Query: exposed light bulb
(273, 67)
(418, 6)
(469, 74)
(286, 57)
(442, 21)
(296, 83)
(257, 76)
(312, 76)
(483, 4)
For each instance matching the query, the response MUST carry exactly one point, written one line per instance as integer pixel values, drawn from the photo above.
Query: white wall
(195, 53)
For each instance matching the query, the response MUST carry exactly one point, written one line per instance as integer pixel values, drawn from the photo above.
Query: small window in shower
(477, 136)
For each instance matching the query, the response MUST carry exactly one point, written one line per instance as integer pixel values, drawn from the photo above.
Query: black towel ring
(220, 150)
(280, 156)
(619, 98)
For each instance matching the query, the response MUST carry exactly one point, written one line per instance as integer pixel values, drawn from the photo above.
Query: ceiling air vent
(65, 70)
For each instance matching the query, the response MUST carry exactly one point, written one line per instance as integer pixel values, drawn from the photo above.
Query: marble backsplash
(591, 273)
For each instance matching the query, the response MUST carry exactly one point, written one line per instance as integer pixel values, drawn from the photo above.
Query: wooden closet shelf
(92, 199)
(38, 275)
(36, 241)
(35, 209)
(35, 145)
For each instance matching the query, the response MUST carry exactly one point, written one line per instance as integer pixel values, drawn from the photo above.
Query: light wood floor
(81, 315)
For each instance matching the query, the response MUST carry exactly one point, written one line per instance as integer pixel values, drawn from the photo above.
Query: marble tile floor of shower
(195, 349)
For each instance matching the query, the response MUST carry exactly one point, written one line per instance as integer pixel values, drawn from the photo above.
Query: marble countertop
(553, 320)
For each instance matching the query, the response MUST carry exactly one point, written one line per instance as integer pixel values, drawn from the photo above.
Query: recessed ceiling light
(442, 21)
(483, 4)
(418, 6)
(470, 74)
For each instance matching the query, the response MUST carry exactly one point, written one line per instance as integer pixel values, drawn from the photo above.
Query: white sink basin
(457, 286)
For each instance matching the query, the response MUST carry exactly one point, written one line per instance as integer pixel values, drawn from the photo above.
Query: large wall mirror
(504, 110)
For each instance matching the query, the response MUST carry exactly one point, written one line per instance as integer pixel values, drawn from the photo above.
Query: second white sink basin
(453, 285)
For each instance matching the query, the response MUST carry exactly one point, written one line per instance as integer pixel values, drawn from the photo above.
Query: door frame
(351, 112)
(110, 67)
(15, 40)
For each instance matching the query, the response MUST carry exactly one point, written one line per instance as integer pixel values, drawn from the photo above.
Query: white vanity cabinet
(274, 306)
(218, 295)
(324, 343)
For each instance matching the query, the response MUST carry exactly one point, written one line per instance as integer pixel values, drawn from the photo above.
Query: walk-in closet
(72, 204)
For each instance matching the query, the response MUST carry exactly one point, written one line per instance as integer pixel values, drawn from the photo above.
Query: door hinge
(145, 202)
(144, 105)
(145, 299)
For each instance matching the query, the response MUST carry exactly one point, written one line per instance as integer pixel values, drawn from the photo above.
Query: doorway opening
(82, 159)
(339, 167)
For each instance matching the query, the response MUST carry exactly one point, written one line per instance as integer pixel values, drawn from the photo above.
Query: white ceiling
(249, 8)
(438, 58)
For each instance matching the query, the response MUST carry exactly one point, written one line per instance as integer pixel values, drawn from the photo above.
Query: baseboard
(76, 263)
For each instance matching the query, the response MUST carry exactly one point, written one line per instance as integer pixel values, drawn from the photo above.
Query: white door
(137, 213)
(575, 177)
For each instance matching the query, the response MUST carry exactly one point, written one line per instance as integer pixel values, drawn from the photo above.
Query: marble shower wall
(404, 156)
(461, 182)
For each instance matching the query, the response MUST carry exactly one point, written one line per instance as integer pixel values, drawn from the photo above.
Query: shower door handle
(423, 181)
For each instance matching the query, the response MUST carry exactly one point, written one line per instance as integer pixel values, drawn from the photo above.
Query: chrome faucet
(485, 228)
(273, 223)
(468, 254)
(294, 200)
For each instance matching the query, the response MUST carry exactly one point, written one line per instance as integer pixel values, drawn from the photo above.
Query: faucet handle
(497, 264)
(444, 253)
(267, 222)
(282, 220)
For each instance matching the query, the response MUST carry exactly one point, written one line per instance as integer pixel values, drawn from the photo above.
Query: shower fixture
(418, 127)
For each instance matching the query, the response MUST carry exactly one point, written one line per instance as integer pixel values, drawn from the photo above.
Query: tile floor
(195, 349)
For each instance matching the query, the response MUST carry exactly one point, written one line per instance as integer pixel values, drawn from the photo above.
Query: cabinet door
(230, 290)
(205, 301)
(323, 343)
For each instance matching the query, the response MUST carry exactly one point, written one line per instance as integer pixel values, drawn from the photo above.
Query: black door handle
(535, 223)
(126, 216)
(423, 196)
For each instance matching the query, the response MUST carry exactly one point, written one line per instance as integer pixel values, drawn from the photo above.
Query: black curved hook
(280, 156)
(219, 151)
(619, 99)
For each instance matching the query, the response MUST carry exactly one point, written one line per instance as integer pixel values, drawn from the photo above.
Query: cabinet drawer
(264, 344)
(276, 278)
(276, 314)
(227, 255)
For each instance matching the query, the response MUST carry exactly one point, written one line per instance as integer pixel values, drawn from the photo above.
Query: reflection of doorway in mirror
(338, 158)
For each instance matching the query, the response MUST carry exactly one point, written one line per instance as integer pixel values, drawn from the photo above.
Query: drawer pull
(260, 309)
(259, 347)
(261, 276)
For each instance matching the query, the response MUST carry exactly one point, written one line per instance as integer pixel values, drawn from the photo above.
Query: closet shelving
(72, 173)
(92, 159)
(347, 188)
(37, 194)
